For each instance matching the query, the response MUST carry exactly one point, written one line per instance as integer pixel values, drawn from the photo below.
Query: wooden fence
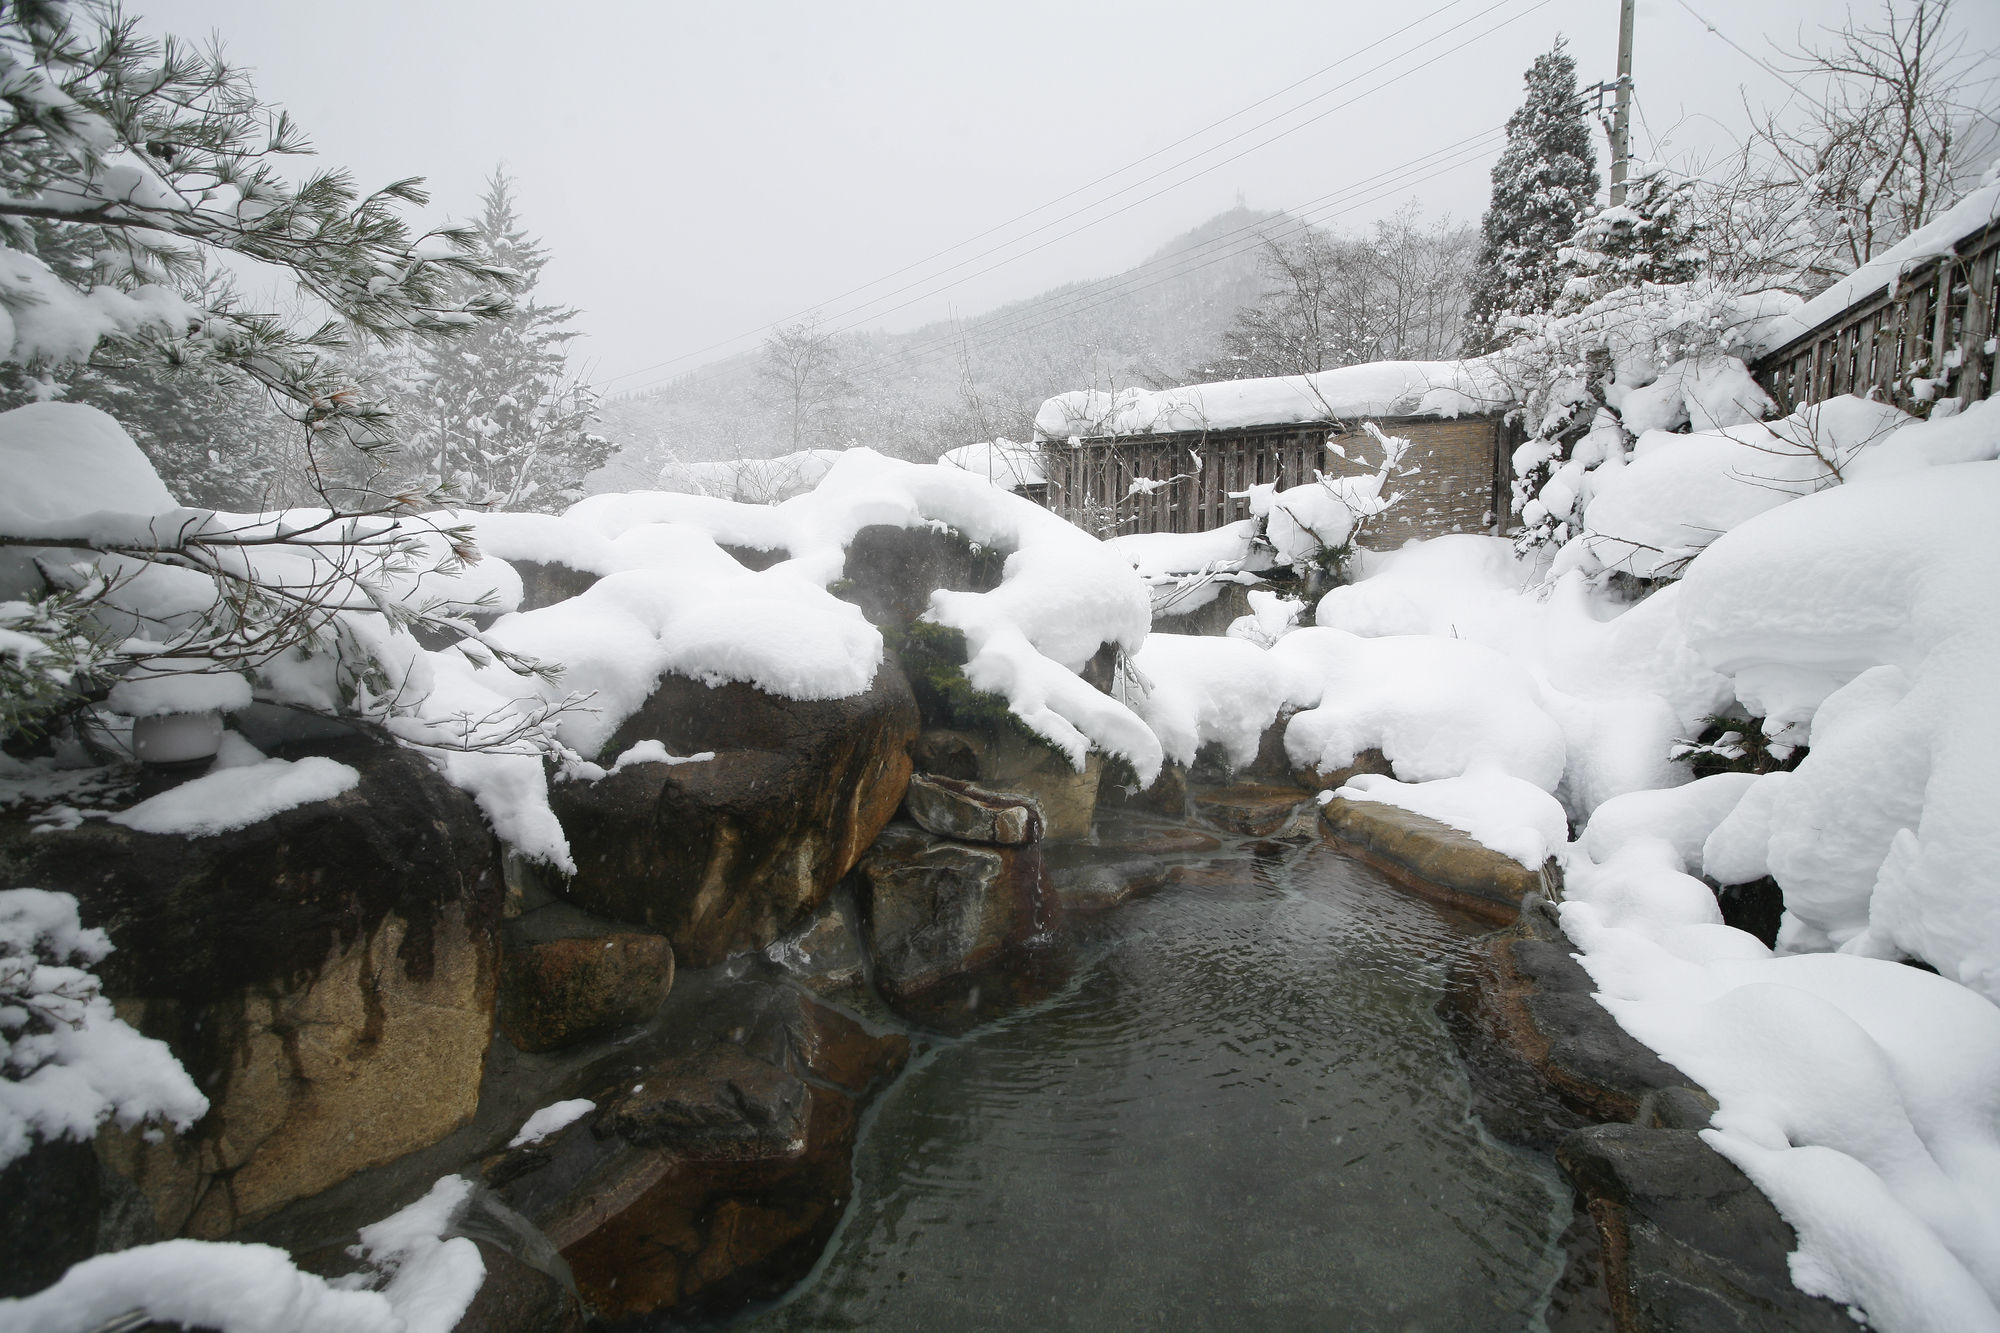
(1187, 476)
(1931, 339)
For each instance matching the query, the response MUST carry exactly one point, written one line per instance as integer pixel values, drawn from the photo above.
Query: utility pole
(1621, 115)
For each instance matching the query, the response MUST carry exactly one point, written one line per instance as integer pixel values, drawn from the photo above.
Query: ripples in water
(1245, 1114)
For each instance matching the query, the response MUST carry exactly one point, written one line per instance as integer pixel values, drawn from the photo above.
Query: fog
(702, 171)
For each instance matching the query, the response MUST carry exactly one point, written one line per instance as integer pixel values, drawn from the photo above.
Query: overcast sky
(701, 170)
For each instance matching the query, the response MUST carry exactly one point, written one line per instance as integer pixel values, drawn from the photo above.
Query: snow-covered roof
(1883, 272)
(1379, 389)
(1003, 462)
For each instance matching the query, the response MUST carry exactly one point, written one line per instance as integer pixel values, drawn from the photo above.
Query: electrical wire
(1128, 188)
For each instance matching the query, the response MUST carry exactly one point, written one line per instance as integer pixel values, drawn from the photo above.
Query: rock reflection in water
(1245, 1114)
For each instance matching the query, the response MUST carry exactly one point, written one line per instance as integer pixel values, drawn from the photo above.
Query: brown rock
(1010, 765)
(1167, 796)
(1368, 761)
(724, 856)
(1423, 854)
(558, 992)
(326, 976)
(1254, 810)
(720, 1162)
(891, 572)
(825, 952)
(954, 809)
(935, 909)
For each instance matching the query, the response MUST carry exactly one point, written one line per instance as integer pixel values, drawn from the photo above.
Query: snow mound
(1433, 707)
(1683, 817)
(415, 1280)
(1379, 389)
(1497, 810)
(45, 448)
(550, 1119)
(233, 798)
(1008, 465)
(1205, 690)
(1681, 492)
(63, 1075)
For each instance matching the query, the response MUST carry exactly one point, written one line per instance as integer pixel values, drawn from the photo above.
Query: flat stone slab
(1253, 809)
(970, 813)
(1431, 857)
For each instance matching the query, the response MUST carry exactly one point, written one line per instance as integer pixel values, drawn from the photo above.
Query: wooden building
(1456, 476)
(1916, 327)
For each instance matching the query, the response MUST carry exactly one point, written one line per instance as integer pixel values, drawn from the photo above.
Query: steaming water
(1245, 1114)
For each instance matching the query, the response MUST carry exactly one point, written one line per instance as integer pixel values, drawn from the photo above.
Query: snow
(1885, 271)
(44, 320)
(1003, 462)
(550, 1119)
(162, 686)
(1379, 389)
(1496, 809)
(46, 448)
(1185, 571)
(1683, 817)
(64, 1075)
(1681, 492)
(1434, 707)
(236, 797)
(1861, 1095)
(1207, 690)
(751, 480)
(416, 1281)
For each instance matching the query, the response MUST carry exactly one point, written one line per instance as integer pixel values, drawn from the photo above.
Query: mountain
(918, 393)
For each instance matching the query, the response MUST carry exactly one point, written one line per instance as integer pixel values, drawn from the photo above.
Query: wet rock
(1008, 764)
(1331, 779)
(49, 1205)
(1433, 858)
(1687, 1241)
(1168, 796)
(1757, 908)
(1231, 601)
(934, 910)
(824, 953)
(1131, 857)
(724, 856)
(891, 572)
(955, 809)
(516, 1297)
(326, 976)
(546, 583)
(1255, 810)
(1548, 1056)
(565, 978)
(718, 1163)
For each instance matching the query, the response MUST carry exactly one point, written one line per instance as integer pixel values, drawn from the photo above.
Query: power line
(1164, 189)
(1135, 184)
(1038, 315)
(1731, 42)
(1303, 219)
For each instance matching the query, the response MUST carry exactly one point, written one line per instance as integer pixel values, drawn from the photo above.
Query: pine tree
(1543, 184)
(1653, 237)
(496, 414)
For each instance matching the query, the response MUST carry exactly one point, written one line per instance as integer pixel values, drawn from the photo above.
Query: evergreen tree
(496, 414)
(1543, 185)
(1653, 237)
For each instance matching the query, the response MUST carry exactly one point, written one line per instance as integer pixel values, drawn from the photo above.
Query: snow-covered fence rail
(1925, 337)
(1182, 481)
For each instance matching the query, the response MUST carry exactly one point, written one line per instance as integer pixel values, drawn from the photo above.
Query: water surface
(1244, 1114)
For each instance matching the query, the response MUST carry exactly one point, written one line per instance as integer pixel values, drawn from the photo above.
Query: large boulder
(970, 813)
(326, 976)
(1008, 763)
(718, 1161)
(726, 855)
(891, 571)
(953, 926)
(566, 977)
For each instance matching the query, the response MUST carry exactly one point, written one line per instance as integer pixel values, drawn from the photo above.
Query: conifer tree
(496, 414)
(1653, 237)
(1543, 185)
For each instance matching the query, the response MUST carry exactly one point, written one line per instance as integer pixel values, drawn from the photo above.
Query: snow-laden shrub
(67, 1062)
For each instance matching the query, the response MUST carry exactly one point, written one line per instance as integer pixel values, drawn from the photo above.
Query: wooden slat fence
(1090, 483)
(1938, 328)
